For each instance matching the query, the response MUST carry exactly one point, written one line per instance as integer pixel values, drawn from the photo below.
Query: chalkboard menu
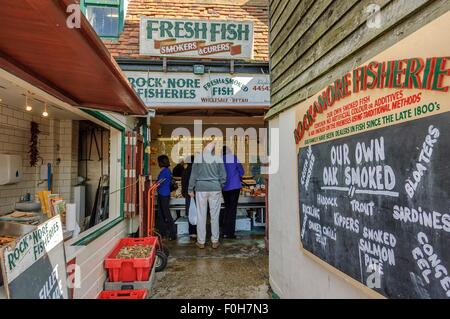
(376, 206)
(35, 267)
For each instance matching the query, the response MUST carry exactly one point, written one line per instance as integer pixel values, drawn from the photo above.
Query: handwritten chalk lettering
(379, 236)
(321, 239)
(339, 155)
(307, 168)
(327, 201)
(330, 176)
(422, 165)
(370, 153)
(383, 253)
(362, 207)
(374, 262)
(314, 227)
(52, 288)
(329, 232)
(348, 223)
(434, 220)
(304, 172)
(429, 263)
(377, 178)
(310, 168)
(311, 211)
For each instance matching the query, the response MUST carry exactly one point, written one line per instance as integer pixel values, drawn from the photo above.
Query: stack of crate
(130, 278)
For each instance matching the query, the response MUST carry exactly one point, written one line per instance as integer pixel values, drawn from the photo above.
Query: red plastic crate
(123, 294)
(134, 269)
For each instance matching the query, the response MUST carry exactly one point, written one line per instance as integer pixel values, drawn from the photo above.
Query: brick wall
(58, 139)
(128, 44)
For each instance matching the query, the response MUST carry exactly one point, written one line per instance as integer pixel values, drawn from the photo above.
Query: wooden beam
(285, 33)
(315, 13)
(309, 53)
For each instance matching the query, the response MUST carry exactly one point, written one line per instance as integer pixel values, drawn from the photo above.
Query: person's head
(163, 161)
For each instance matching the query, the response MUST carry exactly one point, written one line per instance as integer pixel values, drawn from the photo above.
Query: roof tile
(128, 44)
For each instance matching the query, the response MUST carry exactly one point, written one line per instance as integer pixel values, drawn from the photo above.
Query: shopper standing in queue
(207, 179)
(185, 193)
(231, 192)
(164, 219)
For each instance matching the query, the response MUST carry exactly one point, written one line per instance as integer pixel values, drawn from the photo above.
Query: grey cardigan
(207, 175)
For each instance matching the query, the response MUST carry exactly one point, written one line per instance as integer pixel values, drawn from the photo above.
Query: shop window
(105, 16)
(99, 170)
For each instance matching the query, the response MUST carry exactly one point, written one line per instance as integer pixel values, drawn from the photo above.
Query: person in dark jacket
(231, 192)
(164, 219)
(185, 193)
(178, 170)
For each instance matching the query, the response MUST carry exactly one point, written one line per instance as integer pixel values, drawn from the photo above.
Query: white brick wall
(14, 139)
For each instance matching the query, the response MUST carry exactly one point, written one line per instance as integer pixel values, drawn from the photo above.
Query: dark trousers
(230, 199)
(192, 228)
(164, 220)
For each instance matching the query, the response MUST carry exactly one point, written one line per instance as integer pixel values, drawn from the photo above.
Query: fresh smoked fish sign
(196, 38)
(173, 89)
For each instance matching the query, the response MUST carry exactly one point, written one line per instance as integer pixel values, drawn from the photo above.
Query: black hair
(163, 161)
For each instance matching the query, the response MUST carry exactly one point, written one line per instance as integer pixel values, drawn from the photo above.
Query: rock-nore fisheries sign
(196, 38)
(213, 90)
(34, 267)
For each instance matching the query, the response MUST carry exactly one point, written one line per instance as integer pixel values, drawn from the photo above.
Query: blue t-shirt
(164, 188)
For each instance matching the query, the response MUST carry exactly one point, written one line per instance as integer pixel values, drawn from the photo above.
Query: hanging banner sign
(373, 169)
(196, 38)
(158, 89)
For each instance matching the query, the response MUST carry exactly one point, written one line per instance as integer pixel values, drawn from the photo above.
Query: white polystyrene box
(10, 169)
(243, 224)
(182, 226)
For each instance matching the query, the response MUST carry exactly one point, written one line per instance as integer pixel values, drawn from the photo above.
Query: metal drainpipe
(146, 144)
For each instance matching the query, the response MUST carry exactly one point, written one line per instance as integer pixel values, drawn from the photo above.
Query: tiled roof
(128, 44)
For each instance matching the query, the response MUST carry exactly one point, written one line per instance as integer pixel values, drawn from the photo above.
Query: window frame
(86, 239)
(119, 4)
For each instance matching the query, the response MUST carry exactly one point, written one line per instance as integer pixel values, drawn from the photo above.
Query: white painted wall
(90, 260)
(292, 273)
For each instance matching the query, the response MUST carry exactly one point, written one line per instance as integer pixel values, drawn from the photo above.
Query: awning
(70, 63)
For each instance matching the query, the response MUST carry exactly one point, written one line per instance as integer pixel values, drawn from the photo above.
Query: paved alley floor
(237, 269)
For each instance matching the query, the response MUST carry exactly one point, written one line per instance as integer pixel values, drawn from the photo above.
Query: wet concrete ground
(237, 269)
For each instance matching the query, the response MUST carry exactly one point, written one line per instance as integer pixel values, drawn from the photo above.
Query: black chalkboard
(376, 206)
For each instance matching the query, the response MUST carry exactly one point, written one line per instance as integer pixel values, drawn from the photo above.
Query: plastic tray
(135, 285)
(123, 294)
(134, 269)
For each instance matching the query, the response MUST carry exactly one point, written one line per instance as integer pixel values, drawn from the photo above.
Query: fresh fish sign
(196, 38)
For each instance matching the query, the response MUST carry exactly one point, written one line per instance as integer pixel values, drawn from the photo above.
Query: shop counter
(244, 202)
(257, 204)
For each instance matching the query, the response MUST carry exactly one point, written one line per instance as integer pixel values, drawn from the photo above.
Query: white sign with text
(196, 38)
(158, 89)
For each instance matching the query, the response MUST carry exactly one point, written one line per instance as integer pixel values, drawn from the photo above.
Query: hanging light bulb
(45, 113)
(28, 106)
